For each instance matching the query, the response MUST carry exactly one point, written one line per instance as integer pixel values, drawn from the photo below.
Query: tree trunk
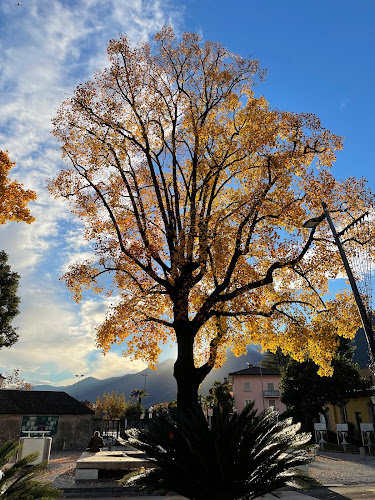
(187, 376)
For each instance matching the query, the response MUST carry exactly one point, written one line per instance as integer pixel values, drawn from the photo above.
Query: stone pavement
(328, 468)
(331, 468)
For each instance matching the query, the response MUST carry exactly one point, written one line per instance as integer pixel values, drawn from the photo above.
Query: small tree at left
(13, 198)
(13, 380)
(9, 302)
(13, 207)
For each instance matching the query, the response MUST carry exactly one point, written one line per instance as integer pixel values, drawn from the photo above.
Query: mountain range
(161, 385)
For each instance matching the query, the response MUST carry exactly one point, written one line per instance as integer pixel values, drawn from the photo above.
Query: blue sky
(320, 59)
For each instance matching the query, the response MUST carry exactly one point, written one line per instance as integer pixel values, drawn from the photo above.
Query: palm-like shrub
(18, 481)
(242, 456)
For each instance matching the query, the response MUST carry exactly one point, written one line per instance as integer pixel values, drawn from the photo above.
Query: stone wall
(73, 432)
(10, 426)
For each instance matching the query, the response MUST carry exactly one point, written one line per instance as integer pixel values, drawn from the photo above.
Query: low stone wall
(73, 431)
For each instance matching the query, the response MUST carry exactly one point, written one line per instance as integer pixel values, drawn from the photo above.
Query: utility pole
(79, 378)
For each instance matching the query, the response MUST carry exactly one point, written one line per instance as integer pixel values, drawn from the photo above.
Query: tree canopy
(112, 402)
(138, 395)
(13, 380)
(222, 395)
(305, 392)
(13, 198)
(9, 302)
(195, 193)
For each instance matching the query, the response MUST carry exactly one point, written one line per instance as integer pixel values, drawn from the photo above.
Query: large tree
(195, 193)
(13, 197)
(9, 302)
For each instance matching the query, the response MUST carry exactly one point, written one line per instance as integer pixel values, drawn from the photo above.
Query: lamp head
(314, 222)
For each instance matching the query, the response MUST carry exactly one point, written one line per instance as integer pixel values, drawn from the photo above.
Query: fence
(115, 428)
(111, 429)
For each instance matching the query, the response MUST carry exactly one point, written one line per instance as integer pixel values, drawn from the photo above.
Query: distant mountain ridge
(161, 385)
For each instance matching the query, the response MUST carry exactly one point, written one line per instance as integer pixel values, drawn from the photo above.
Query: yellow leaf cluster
(112, 402)
(13, 198)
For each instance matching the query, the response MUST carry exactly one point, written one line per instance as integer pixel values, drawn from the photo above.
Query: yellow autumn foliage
(195, 193)
(13, 198)
(111, 402)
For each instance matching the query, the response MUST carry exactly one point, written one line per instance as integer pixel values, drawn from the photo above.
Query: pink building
(257, 384)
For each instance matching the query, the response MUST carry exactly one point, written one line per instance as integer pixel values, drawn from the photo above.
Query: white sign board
(342, 435)
(320, 433)
(367, 428)
(320, 427)
(342, 427)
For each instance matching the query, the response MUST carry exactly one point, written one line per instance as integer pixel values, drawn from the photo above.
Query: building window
(272, 402)
(270, 386)
(358, 419)
(248, 401)
(247, 387)
(344, 416)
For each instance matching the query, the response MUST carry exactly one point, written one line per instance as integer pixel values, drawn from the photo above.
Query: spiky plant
(18, 481)
(242, 456)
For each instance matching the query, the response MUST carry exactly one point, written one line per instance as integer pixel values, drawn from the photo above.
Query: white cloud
(49, 334)
(47, 48)
(61, 335)
(114, 365)
(110, 365)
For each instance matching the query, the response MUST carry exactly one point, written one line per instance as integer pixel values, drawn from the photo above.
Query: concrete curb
(118, 492)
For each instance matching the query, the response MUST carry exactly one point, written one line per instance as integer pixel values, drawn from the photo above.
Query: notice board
(40, 423)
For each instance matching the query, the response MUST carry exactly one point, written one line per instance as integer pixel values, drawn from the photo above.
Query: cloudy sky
(320, 59)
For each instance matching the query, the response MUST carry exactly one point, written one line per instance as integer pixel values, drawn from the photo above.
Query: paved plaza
(342, 476)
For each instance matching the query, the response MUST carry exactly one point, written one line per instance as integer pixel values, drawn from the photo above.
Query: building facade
(360, 409)
(68, 422)
(257, 384)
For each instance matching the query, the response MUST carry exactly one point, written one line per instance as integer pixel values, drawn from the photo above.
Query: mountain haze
(161, 385)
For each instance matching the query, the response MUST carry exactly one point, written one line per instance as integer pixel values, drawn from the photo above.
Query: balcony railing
(271, 394)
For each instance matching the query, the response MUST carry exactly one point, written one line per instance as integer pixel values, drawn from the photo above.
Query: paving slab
(114, 460)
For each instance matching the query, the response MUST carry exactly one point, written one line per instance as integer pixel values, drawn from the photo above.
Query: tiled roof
(255, 370)
(40, 403)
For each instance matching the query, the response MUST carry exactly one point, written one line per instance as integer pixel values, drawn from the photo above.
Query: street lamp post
(79, 378)
(366, 316)
(145, 375)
